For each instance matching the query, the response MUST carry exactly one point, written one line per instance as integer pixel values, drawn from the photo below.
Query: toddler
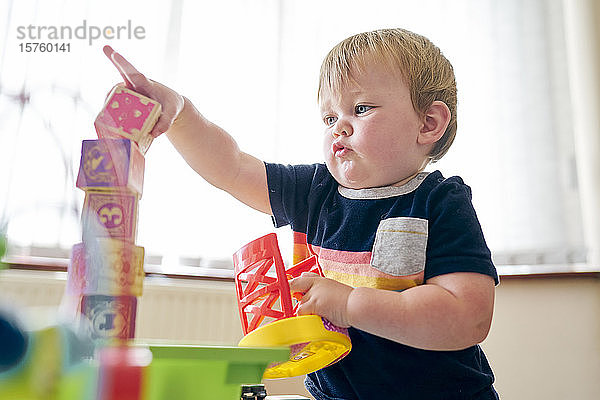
(406, 266)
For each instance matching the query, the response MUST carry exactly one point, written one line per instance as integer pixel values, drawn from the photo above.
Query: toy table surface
(206, 372)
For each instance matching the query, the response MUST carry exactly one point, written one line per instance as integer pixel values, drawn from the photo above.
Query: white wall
(545, 338)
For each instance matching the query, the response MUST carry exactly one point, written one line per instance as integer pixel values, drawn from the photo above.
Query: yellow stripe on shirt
(371, 281)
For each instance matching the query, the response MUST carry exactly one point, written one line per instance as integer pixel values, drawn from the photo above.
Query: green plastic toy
(2, 248)
(207, 372)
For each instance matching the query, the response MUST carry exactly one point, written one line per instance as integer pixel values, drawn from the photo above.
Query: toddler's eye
(361, 109)
(329, 120)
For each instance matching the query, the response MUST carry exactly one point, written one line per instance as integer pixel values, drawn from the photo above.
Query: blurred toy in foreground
(58, 363)
(2, 247)
(264, 295)
(13, 341)
(49, 362)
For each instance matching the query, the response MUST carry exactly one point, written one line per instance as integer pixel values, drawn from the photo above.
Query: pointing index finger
(132, 77)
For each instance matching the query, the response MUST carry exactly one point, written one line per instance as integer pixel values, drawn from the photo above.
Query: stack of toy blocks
(106, 272)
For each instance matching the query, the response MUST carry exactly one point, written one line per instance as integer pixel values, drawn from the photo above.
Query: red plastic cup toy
(268, 311)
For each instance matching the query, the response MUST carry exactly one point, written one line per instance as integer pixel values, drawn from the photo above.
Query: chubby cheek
(335, 166)
(384, 149)
(327, 143)
(372, 148)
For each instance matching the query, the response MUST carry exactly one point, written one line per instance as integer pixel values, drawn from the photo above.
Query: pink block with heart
(129, 115)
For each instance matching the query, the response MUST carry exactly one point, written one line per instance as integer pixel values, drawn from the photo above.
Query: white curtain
(252, 67)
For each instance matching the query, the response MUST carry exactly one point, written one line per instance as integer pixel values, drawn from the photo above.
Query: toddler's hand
(170, 101)
(322, 296)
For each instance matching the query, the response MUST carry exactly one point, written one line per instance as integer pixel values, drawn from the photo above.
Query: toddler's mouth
(339, 150)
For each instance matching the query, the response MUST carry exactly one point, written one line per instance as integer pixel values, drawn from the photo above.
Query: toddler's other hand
(322, 296)
(170, 101)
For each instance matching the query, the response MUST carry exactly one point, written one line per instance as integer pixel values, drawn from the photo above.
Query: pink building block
(106, 266)
(129, 115)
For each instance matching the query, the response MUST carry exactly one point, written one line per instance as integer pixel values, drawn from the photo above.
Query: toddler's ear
(435, 123)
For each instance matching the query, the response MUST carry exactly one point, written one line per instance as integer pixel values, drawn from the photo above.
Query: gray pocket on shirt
(400, 246)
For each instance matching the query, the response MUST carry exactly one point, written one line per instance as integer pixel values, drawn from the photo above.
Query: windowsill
(61, 264)
(548, 271)
(220, 274)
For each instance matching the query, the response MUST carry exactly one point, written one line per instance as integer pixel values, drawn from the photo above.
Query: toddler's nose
(342, 130)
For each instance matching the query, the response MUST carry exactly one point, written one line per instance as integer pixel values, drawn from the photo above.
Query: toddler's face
(371, 130)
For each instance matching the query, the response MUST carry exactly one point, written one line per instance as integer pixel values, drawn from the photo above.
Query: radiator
(192, 311)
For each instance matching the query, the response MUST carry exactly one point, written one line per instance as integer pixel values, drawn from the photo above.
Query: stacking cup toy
(268, 311)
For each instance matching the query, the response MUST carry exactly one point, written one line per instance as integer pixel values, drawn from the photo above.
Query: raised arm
(206, 147)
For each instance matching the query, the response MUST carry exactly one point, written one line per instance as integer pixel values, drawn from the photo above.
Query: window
(252, 68)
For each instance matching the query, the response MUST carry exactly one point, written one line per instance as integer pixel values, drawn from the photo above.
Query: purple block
(111, 164)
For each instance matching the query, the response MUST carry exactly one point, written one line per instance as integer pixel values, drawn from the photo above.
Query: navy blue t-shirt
(390, 238)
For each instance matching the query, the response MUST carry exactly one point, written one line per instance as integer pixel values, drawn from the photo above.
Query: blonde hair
(421, 64)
